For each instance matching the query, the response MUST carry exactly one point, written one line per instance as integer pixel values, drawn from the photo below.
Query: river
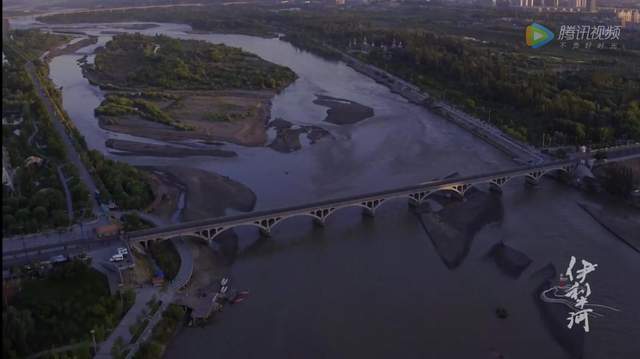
(378, 288)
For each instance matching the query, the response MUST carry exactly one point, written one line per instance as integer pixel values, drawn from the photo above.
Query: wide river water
(378, 288)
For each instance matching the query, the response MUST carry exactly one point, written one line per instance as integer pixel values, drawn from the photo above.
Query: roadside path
(67, 194)
(182, 278)
(143, 295)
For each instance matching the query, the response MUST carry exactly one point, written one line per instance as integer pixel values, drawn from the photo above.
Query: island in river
(170, 89)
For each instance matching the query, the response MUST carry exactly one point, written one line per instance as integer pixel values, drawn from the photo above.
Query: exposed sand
(342, 111)
(147, 149)
(288, 139)
(453, 228)
(209, 194)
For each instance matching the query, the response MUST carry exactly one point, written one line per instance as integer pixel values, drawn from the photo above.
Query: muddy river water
(379, 288)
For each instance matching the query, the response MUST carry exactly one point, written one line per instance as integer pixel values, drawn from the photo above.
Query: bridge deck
(340, 202)
(275, 215)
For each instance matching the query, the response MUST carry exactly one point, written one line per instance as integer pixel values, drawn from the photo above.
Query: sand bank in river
(148, 149)
(342, 111)
(233, 116)
(453, 227)
(288, 137)
(209, 194)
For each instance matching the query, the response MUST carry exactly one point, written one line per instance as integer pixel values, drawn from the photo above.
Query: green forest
(59, 309)
(35, 201)
(126, 185)
(134, 60)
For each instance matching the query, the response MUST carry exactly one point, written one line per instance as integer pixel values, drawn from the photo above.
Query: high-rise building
(593, 7)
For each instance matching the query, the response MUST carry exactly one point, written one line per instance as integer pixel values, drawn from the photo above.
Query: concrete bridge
(265, 221)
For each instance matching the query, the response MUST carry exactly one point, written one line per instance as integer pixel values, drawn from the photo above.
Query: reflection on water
(378, 288)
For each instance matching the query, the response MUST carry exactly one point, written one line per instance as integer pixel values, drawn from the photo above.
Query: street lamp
(95, 346)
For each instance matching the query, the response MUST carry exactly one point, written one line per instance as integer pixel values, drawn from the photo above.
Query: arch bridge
(265, 221)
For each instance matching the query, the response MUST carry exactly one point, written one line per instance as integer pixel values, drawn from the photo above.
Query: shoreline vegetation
(33, 153)
(549, 98)
(170, 89)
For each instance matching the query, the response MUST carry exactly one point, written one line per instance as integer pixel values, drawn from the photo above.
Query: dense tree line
(126, 185)
(134, 60)
(37, 201)
(119, 105)
(529, 97)
(60, 309)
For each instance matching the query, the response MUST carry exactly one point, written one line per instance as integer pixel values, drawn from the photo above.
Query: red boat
(240, 297)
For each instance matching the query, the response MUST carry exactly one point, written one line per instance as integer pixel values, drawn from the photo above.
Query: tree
(79, 193)
(23, 215)
(60, 218)
(40, 213)
(17, 325)
(118, 347)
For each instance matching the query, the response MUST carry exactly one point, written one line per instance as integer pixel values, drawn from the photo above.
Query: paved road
(59, 127)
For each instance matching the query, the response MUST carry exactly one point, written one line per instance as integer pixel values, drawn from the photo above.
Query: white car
(116, 258)
(123, 251)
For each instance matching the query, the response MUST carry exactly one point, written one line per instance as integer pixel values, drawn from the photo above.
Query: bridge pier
(496, 188)
(530, 181)
(369, 207)
(368, 212)
(318, 222)
(265, 233)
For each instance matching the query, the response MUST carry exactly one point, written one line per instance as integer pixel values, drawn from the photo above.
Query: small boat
(239, 297)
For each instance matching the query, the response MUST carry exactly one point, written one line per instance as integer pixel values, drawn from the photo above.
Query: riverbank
(520, 152)
(69, 48)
